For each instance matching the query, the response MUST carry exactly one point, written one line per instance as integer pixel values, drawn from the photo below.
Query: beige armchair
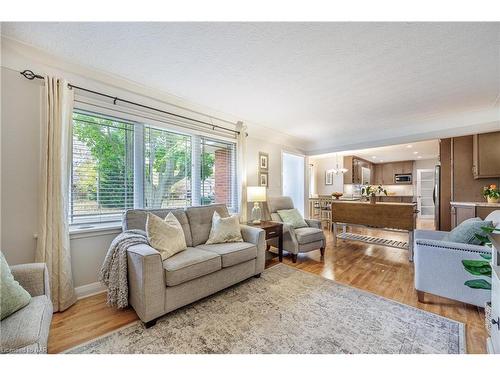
(297, 240)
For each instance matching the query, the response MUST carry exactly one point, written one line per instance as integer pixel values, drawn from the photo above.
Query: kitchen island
(387, 216)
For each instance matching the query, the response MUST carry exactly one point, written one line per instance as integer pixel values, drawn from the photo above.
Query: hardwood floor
(380, 270)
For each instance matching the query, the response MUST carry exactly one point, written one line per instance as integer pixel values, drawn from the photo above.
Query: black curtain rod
(28, 74)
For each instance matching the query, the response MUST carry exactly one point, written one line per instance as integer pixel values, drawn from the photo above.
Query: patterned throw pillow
(224, 229)
(465, 232)
(293, 218)
(166, 235)
(13, 296)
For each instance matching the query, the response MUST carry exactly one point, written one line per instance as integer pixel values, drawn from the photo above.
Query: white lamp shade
(256, 193)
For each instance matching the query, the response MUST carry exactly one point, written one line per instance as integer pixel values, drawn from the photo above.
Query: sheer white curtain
(242, 170)
(53, 246)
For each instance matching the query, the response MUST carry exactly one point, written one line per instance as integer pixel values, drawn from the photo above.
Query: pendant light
(337, 170)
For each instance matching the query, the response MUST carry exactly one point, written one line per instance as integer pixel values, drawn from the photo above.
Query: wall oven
(403, 178)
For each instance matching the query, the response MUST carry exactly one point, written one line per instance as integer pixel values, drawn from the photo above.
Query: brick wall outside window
(222, 174)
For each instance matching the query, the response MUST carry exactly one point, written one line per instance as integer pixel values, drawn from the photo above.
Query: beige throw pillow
(12, 295)
(166, 235)
(224, 229)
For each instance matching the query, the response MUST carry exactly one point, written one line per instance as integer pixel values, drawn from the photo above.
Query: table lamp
(256, 194)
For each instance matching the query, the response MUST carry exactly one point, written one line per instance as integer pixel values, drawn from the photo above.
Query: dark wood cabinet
(380, 174)
(387, 174)
(354, 172)
(461, 212)
(384, 172)
(486, 155)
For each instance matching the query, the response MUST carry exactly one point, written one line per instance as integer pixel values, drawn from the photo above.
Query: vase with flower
(371, 192)
(491, 193)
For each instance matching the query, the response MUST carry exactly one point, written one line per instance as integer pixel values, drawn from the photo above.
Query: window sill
(93, 230)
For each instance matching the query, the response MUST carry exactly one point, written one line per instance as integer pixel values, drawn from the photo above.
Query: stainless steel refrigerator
(436, 195)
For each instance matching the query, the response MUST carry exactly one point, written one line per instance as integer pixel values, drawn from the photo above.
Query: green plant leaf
(478, 284)
(482, 238)
(485, 256)
(477, 267)
(488, 229)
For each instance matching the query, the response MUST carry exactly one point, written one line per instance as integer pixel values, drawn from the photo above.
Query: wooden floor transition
(380, 270)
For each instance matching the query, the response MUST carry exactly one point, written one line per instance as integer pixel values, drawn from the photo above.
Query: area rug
(289, 311)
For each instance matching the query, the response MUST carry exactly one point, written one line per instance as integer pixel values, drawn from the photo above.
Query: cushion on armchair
(13, 295)
(308, 235)
(293, 218)
(466, 231)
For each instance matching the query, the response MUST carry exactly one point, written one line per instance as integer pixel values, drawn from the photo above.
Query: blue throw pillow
(465, 232)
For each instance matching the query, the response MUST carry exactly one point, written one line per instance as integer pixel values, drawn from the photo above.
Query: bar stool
(326, 212)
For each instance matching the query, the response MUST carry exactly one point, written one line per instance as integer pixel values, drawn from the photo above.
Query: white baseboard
(89, 290)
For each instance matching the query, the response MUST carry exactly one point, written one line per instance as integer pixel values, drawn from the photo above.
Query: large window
(120, 164)
(102, 178)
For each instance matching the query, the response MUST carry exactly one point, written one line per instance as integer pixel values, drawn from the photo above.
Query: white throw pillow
(224, 229)
(166, 235)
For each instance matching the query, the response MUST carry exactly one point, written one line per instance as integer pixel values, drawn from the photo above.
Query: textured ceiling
(326, 83)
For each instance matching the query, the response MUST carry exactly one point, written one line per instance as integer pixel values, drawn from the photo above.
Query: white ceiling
(331, 85)
(407, 151)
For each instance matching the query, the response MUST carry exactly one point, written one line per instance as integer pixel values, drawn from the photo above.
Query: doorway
(293, 179)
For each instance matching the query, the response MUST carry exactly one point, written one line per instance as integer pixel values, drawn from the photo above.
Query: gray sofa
(27, 330)
(156, 287)
(297, 240)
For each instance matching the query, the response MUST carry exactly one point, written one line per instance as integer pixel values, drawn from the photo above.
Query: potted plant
(479, 267)
(491, 193)
(370, 192)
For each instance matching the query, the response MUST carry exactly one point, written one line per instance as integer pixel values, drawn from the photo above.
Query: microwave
(402, 178)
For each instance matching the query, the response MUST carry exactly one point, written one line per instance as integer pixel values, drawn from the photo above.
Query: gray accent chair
(439, 269)
(297, 240)
(156, 287)
(27, 330)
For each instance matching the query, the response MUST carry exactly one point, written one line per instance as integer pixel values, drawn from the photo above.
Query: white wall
(274, 150)
(20, 165)
(320, 167)
(20, 147)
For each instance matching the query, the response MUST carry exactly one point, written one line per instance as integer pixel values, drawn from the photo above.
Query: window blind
(102, 176)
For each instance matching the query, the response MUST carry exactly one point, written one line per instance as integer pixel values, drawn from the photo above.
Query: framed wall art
(263, 179)
(263, 161)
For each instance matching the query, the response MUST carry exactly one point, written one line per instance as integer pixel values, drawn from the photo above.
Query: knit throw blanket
(113, 272)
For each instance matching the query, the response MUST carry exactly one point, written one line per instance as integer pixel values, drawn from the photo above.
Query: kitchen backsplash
(355, 190)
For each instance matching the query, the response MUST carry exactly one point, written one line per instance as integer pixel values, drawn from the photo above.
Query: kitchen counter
(475, 204)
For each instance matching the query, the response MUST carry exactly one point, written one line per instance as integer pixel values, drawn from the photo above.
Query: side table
(273, 229)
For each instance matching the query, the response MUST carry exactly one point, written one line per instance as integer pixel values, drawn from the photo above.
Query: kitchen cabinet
(377, 174)
(384, 172)
(461, 211)
(354, 167)
(486, 155)
(387, 174)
